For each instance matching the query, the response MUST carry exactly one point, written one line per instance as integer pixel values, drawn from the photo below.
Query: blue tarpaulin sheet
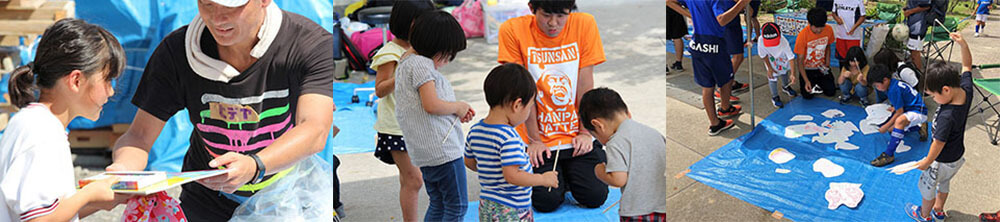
(354, 120)
(742, 169)
(568, 211)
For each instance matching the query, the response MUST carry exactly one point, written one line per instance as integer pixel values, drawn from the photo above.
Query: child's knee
(902, 122)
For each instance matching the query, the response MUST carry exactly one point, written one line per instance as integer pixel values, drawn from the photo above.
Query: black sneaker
(723, 125)
(677, 66)
(864, 102)
(844, 99)
(776, 101)
(789, 91)
(734, 110)
(737, 86)
(882, 160)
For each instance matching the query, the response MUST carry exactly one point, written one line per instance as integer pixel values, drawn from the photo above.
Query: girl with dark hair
(389, 145)
(73, 69)
(428, 113)
(852, 76)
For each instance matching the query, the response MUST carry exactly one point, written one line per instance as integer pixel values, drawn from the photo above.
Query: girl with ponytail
(71, 75)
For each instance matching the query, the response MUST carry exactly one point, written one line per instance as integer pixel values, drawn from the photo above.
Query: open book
(148, 182)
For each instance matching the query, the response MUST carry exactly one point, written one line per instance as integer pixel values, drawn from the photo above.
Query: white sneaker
(977, 34)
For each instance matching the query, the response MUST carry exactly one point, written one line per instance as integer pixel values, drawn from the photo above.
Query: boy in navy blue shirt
(944, 159)
(907, 106)
(981, 12)
(710, 57)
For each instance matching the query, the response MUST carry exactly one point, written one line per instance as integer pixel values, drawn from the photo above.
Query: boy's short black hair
(816, 17)
(553, 6)
(886, 57)
(941, 74)
(508, 82)
(877, 73)
(437, 33)
(403, 14)
(600, 103)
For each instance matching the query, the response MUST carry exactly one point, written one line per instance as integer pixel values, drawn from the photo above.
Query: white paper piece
(868, 126)
(902, 147)
(839, 131)
(795, 131)
(801, 118)
(903, 168)
(827, 168)
(780, 155)
(845, 146)
(782, 171)
(848, 194)
(878, 112)
(833, 113)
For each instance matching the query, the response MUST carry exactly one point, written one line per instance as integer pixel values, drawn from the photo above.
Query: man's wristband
(259, 175)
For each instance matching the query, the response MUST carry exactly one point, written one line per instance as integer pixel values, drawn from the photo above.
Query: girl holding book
(73, 69)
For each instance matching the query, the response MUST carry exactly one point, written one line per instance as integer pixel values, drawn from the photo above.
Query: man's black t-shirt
(244, 115)
(949, 124)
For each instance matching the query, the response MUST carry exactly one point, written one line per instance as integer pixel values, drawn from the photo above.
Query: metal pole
(749, 61)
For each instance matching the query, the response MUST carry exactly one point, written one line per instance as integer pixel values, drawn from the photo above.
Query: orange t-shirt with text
(555, 63)
(813, 46)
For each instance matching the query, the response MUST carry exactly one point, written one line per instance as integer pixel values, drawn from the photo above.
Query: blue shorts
(712, 65)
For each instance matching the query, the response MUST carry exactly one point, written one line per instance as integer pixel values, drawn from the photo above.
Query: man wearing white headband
(257, 84)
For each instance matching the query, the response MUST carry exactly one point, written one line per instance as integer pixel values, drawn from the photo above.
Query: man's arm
(131, 151)
(732, 13)
(857, 24)
(673, 4)
(911, 11)
(582, 143)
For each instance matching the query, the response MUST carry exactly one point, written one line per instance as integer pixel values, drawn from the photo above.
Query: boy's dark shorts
(710, 61)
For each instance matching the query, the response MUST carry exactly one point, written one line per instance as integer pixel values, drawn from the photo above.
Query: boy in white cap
(777, 55)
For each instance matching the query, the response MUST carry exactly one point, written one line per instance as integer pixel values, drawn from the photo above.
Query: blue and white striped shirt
(493, 147)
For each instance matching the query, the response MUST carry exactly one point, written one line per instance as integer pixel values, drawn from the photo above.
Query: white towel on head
(218, 70)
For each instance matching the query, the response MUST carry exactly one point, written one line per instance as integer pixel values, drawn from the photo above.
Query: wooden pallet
(101, 138)
(30, 18)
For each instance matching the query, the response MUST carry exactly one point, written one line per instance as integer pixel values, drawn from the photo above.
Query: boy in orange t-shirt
(560, 48)
(812, 49)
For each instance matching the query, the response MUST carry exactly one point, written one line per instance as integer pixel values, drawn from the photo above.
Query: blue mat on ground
(742, 169)
(568, 211)
(354, 120)
(790, 38)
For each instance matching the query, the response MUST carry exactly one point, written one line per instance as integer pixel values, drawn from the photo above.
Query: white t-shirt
(36, 169)
(849, 11)
(779, 56)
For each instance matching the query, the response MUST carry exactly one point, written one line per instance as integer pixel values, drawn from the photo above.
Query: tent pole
(749, 62)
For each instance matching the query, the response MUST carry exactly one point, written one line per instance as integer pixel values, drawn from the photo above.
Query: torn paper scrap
(840, 131)
(801, 118)
(878, 113)
(779, 170)
(780, 155)
(903, 167)
(827, 168)
(902, 147)
(868, 126)
(848, 194)
(844, 145)
(833, 113)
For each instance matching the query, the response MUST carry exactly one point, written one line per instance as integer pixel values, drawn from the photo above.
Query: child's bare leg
(925, 208)
(679, 49)
(939, 201)
(410, 182)
(915, 56)
(709, 102)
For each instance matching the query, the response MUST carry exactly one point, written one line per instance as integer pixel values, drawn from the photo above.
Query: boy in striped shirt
(496, 151)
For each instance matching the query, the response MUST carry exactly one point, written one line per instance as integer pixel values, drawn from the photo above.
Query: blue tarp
(568, 211)
(743, 170)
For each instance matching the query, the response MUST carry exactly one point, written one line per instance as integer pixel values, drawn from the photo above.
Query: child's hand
(957, 37)
(770, 74)
(464, 112)
(791, 78)
(100, 190)
(924, 163)
(550, 179)
(861, 80)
